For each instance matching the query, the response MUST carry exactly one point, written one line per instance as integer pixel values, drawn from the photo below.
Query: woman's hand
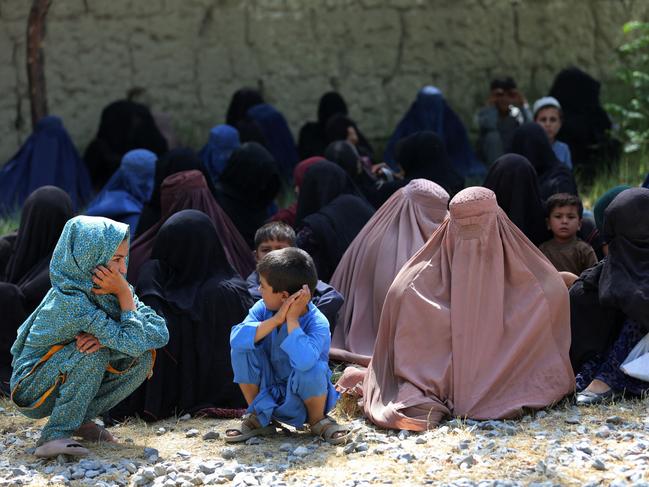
(109, 282)
(87, 343)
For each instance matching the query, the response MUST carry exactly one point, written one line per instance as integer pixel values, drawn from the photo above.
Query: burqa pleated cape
(323, 182)
(531, 142)
(475, 325)
(247, 187)
(430, 111)
(280, 142)
(48, 157)
(332, 229)
(618, 287)
(223, 140)
(124, 126)
(394, 234)
(183, 191)
(190, 282)
(129, 188)
(26, 279)
(172, 162)
(516, 185)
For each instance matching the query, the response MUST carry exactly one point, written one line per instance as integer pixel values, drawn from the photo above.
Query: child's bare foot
(91, 431)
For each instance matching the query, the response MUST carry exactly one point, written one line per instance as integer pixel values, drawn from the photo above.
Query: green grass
(9, 225)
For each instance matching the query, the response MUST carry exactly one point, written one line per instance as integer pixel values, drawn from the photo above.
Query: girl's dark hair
(288, 270)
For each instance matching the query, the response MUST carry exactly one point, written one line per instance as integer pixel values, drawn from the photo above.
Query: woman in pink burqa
(476, 325)
(395, 233)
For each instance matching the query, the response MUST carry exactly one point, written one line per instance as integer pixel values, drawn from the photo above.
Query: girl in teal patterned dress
(90, 342)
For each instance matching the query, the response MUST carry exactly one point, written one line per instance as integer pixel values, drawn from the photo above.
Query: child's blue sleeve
(242, 336)
(304, 348)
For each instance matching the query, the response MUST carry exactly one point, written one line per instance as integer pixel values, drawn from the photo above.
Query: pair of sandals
(67, 446)
(327, 429)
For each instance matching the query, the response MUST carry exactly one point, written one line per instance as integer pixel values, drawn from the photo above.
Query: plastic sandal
(327, 427)
(61, 446)
(250, 427)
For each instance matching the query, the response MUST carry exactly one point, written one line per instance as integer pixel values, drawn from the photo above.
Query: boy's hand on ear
(109, 282)
(280, 316)
(298, 305)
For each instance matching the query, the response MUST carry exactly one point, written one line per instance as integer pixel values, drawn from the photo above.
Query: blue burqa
(48, 157)
(430, 112)
(280, 140)
(128, 189)
(223, 140)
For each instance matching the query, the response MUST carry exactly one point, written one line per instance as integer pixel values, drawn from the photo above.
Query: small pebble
(286, 447)
(614, 420)
(598, 464)
(185, 417)
(183, 454)
(253, 441)
(191, 433)
(211, 435)
(301, 451)
(361, 447)
(349, 448)
(228, 453)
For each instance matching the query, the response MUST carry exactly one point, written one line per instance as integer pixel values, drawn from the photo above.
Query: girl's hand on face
(87, 343)
(109, 282)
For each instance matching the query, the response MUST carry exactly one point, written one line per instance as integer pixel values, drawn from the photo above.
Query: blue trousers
(82, 387)
(282, 389)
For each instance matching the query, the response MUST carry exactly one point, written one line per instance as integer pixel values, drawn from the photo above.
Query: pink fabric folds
(188, 190)
(394, 234)
(476, 325)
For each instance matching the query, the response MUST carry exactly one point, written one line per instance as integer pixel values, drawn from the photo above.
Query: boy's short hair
(563, 199)
(288, 270)
(278, 231)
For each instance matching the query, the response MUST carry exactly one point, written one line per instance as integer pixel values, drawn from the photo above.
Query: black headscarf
(43, 217)
(514, 181)
(333, 228)
(242, 100)
(175, 161)
(311, 140)
(323, 182)
(248, 185)
(585, 122)
(423, 155)
(336, 129)
(124, 126)
(531, 141)
(191, 284)
(618, 287)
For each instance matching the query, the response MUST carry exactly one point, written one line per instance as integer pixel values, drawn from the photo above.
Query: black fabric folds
(248, 185)
(323, 182)
(514, 181)
(124, 126)
(531, 142)
(191, 284)
(333, 228)
(617, 288)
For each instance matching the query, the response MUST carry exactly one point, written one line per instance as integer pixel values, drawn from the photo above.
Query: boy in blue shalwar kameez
(280, 353)
(90, 342)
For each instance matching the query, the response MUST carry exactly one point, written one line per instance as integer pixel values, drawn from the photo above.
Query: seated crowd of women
(440, 296)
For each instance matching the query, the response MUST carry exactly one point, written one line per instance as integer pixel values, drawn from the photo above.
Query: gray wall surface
(191, 55)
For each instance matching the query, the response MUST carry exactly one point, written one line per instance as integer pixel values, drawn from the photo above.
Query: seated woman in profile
(191, 283)
(475, 325)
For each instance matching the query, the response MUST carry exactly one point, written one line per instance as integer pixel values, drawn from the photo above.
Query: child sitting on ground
(276, 236)
(280, 353)
(547, 113)
(565, 250)
(90, 342)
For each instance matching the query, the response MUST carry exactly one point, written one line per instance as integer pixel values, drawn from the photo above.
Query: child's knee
(312, 382)
(246, 367)
(97, 360)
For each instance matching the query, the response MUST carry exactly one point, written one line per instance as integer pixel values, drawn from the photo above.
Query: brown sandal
(327, 427)
(250, 426)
